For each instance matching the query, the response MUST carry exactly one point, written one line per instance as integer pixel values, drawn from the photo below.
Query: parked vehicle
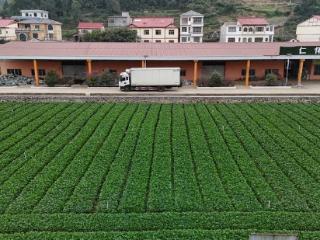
(150, 79)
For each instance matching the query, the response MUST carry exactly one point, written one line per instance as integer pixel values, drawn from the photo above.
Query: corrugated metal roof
(191, 13)
(152, 22)
(40, 21)
(253, 21)
(137, 51)
(6, 22)
(90, 25)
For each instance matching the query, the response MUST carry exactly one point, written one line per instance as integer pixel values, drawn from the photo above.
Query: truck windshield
(122, 79)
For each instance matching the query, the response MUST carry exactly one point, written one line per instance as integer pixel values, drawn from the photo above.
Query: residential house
(247, 29)
(191, 27)
(36, 25)
(89, 27)
(8, 30)
(119, 21)
(155, 29)
(309, 30)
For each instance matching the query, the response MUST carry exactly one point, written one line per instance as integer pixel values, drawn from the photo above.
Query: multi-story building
(191, 27)
(8, 30)
(35, 13)
(36, 25)
(309, 30)
(247, 29)
(155, 29)
(120, 21)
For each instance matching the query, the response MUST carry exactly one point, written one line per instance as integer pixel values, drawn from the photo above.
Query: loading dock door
(209, 67)
(74, 69)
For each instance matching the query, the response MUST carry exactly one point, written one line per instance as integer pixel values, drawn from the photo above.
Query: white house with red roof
(155, 29)
(247, 29)
(89, 27)
(309, 30)
(8, 29)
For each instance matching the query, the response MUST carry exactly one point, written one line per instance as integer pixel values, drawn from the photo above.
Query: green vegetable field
(152, 171)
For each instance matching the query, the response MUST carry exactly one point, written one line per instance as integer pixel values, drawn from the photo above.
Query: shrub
(215, 80)
(51, 79)
(105, 79)
(271, 79)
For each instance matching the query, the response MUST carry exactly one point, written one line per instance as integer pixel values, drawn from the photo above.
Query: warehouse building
(235, 61)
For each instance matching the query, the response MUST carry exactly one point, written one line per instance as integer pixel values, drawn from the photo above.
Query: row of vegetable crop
(272, 138)
(13, 187)
(271, 221)
(84, 194)
(58, 179)
(115, 181)
(12, 161)
(281, 193)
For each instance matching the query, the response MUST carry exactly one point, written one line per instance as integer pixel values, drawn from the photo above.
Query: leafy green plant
(215, 80)
(105, 79)
(51, 79)
(271, 79)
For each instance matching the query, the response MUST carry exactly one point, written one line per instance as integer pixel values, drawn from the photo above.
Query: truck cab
(124, 82)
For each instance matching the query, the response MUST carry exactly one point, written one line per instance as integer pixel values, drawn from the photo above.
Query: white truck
(150, 78)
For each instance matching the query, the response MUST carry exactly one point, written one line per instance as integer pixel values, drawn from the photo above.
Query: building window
(35, 35)
(197, 29)
(231, 39)
(158, 32)
(37, 27)
(249, 39)
(196, 39)
(197, 20)
(183, 73)
(41, 72)
(35, 15)
(240, 29)
(27, 26)
(184, 20)
(50, 27)
(146, 32)
(258, 39)
(266, 39)
(232, 29)
(158, 41)
(16, 72)
(146, 41)
(316, 69)
(252, 72)
(250, 29)
(171, 41)
(184, 29)
(184, 39)
(245, 29)
(260, 29)
(171, 32)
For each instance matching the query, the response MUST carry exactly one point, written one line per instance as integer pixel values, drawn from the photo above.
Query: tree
(111, 35)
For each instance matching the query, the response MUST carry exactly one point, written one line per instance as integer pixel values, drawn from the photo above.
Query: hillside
(280, 12)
